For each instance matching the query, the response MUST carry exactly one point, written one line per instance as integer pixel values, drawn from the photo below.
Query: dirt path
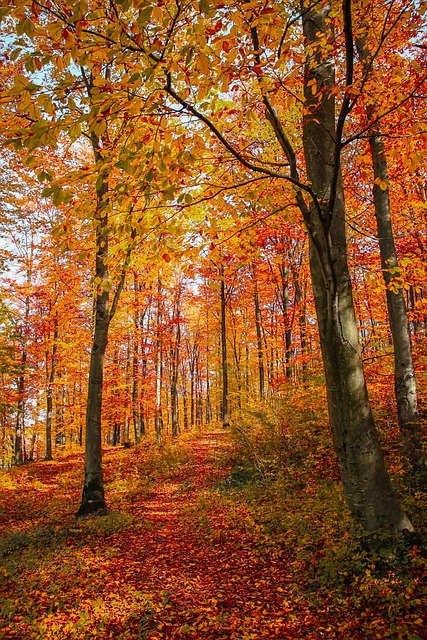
(186, 564)
(208, 577)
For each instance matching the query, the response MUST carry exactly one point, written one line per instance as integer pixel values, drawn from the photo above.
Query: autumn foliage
(207, 538)
(213, 299)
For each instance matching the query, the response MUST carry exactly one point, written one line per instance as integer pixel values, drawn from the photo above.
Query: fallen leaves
(175, 558)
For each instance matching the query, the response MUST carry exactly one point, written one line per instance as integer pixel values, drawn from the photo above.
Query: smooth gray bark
(261, 374)
(93, 499)
(50, 378)
(224, 364)
(404, 372)
(174, 356)
(158, 418)
(366, 483)
(135, 364)
(302, 322)
(284, 299)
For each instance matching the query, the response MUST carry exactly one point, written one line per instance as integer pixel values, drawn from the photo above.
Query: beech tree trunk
(19, 446)
(135, 364)
(50, 378)
(184, 397)
(224, 403)
(143, 418)
(404, 373)
(302, 322)
(208, 414)
(367, 485)
(237, 356)
(93, 499)
(259, 338)
(158, 419)
(284, 298)
(174, 356)
(19, 439)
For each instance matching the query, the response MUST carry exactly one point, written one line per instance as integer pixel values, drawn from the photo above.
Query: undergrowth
(286, 480)
(266, 548)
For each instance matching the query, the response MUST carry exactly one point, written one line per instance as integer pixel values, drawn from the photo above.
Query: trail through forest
(174, 558)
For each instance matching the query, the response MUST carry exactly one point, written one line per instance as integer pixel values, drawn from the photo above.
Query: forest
(213, 319)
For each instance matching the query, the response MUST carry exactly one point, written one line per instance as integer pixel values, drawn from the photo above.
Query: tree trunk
(158, 421)
(50, 378)
(404, 374)
(135, 366)
(224, 404)
(237, 355)
(259, 338)
(143, 419)
(93, 499)
(175, 346)
(302, 322)
(18, 447)
(80, 405)
(284, 295)
(367, 486)
(19, 440)
(184, 398)
(208, 415)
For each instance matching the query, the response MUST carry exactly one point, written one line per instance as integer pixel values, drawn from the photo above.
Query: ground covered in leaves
(243, 538)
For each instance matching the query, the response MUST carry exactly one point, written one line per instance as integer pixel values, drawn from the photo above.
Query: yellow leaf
(202, 63)
(383, 184)
(25, 101)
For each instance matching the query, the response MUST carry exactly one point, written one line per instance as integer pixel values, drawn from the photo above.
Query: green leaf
(80, 10)
(25, 101)
(99, 182)
(75, 131)
(144, 16)
(125, 4)
(30, 161)
(67, 196)
(44, 175)
(56, 195)
(204, 6)
(15, 54)
(26, 27)
(46, 192)
(169, 194)
(29, 65)
(99, 127)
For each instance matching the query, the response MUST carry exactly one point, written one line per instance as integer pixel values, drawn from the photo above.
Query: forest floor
(198, 543)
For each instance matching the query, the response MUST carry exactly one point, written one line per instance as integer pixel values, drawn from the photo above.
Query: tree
(150, 67)
(367, 485)
(404, 373)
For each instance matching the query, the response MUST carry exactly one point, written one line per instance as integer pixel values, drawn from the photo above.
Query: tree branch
(249, 165)
(345, 107)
